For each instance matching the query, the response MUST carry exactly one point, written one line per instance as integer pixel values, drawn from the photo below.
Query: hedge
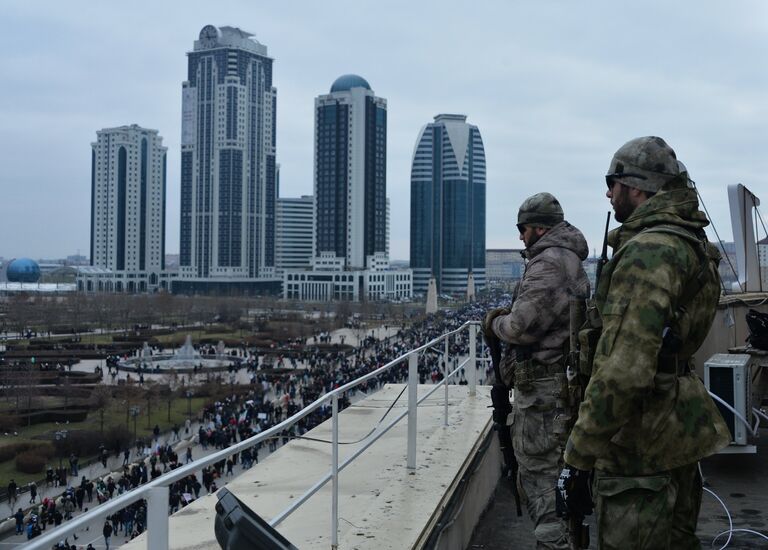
(44, 449)
(30, 462)
(53, 415)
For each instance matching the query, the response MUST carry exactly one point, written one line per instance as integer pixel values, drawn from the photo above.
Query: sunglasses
(610, 179)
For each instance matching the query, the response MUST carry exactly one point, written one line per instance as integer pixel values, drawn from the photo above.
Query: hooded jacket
(637, 418)
(539, 316)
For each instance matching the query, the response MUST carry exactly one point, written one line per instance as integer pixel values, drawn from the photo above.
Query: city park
(80, 373)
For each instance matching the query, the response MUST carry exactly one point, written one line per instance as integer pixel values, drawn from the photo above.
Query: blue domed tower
(350, 172)
(348, 81)
(23, 270)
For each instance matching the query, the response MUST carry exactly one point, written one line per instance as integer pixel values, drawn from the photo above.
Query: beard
(532, 240)
(622, 207)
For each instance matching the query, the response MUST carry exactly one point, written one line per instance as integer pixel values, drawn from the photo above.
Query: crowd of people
(272, 396)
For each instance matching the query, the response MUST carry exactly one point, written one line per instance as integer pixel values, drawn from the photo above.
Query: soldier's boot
(551, 534)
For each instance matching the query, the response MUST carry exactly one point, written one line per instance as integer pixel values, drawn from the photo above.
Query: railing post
(472, 359)
(157, 518)
(413, 381)
(335, 472)
(445, 381)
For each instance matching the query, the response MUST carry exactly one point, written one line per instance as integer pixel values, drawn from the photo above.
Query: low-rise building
(329, 279)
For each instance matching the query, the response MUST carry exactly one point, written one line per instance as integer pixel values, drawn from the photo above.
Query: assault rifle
(578, 531)
(603, 255)
(501, 409)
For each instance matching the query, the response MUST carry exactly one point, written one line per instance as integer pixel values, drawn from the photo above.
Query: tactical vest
(669, 360)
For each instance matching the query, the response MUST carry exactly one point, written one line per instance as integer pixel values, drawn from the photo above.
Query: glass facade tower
(350, 172)
(228, 170)
(448, 205)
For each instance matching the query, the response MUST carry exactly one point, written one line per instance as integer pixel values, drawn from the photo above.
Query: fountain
(185, 359)
(187, 352)
(145, 351)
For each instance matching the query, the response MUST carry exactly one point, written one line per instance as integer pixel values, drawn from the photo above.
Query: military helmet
(540, 210)
(645, 163)
(685, 175)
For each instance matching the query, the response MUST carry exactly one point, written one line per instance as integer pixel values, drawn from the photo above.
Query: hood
(563, 235)
(676, 207)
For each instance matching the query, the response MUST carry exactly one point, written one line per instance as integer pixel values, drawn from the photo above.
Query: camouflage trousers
(648, 512)
(539, 455)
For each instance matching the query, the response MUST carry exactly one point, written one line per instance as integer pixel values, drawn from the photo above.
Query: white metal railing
(156, 491)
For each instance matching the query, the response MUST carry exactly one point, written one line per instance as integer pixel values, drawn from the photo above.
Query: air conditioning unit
(727, 375)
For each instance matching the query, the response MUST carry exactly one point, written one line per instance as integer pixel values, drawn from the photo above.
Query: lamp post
(61, 435)
(189, 395)
(135, 414)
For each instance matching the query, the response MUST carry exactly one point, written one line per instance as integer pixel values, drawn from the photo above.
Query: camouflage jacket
(540, 313)
(637, 419)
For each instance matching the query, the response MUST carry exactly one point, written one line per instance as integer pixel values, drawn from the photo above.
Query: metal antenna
(719, 240)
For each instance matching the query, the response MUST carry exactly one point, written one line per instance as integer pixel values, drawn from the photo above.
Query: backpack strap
(698, 243)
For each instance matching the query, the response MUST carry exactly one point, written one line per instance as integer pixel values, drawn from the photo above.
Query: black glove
(573, 494)
(487, 324)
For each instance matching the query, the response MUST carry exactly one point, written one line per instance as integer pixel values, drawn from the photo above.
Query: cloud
(555, 88)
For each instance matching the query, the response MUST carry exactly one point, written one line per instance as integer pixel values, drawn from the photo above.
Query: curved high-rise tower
(448, 206)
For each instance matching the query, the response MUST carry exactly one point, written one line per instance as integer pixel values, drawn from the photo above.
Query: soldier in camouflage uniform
(646, 418)
(537, 329)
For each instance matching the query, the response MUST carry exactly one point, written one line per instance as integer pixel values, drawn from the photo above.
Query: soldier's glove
(573, 494)
(487, 325)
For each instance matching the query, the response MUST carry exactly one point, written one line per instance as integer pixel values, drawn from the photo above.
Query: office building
(329, 280)
(350, 258)
(128, 183)
(228, 168)
(294, 233)
(350, 171)
(503, 265)
(448, 206)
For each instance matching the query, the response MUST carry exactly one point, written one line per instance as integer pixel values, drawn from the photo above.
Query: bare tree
(101, 397)
(20, 312)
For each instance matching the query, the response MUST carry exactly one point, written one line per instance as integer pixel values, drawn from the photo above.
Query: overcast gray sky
(554, 86)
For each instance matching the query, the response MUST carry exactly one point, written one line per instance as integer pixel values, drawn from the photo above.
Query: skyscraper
(128, 205)
(350, 260)
(228, 179)
(448, 205)
(350, 172)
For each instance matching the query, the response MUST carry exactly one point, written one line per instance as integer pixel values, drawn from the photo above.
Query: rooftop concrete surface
(382, 504)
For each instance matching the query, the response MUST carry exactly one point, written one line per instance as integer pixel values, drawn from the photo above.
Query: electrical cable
(727, 513)
(734, 411)
(760, 413)
(366, 436)
(730, 298)
(757, 210)
(731, 531)
(719, 240)
(757, 241)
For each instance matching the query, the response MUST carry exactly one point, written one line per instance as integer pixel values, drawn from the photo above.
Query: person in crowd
(19, 517)
(13, 491)
(107, 533)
